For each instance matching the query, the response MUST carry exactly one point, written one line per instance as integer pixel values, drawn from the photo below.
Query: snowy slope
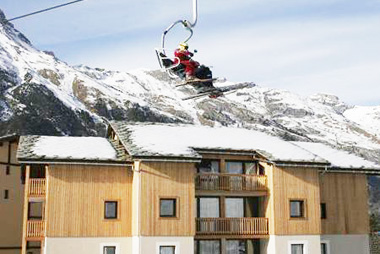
(41, 95)
(367, 117)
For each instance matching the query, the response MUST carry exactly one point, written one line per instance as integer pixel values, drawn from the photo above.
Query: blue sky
(304, 46)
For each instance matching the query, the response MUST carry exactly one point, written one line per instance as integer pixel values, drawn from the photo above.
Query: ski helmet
(183, 46)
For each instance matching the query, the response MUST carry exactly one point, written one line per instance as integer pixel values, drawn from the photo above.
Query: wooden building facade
(137, 195)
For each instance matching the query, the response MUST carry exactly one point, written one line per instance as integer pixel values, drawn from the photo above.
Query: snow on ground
(88, 148)
(367, 117)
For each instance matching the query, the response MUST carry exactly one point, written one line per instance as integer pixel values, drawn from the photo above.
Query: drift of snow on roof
(66, 148)
(337, 158)
(179, 140)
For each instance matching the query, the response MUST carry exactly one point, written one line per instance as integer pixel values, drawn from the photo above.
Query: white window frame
(116, 245)
(175, 244)
(327, 242)
(305, 246)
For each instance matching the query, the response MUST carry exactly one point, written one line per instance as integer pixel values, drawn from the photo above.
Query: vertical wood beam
(9, 152)
(25, 214)
(46, 202)
(222, 206)
(223, 245)
(222, 166)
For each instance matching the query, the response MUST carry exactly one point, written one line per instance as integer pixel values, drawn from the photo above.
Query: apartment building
(184, 189)
(11, 196)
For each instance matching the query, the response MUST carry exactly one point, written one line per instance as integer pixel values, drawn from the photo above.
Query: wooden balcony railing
(35, 228)
(37, 187)
(232, 226)
(230, 182)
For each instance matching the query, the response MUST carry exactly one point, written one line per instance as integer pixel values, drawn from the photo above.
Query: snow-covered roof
(50, 148)
(337, 158)
(182, 141)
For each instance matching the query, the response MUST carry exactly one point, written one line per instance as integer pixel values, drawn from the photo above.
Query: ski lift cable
(45, 10)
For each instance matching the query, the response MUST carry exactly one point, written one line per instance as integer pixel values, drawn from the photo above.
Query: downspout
(324, 171)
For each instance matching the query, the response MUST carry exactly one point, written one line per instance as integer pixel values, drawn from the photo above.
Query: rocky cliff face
(40, 94)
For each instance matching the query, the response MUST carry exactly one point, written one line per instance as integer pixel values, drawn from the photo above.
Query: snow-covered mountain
(39, 94)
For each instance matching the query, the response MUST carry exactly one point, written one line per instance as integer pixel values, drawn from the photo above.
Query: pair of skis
(216, 91)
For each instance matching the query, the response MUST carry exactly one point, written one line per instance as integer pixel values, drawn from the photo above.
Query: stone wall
(374, 241)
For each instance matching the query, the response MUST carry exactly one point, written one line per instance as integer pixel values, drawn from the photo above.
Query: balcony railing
(37, 187)
(35, 228)
(230, 182)
(232, 226)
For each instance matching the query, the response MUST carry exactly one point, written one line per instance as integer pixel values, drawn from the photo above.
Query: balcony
(37, 187)
(232, 226)
(230, 182)
(35, 229)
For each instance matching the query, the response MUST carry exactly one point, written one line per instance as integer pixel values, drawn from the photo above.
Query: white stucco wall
(184, 245)
(86, 245)
(347, 244)
(281, 244)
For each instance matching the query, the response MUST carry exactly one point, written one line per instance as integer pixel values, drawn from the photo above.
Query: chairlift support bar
(187, 24)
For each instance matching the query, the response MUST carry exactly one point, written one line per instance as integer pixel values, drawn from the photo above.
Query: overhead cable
(45, 10)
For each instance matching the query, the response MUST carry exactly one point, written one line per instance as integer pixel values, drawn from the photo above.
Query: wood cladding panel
(346, 198)
(268, 204)
(13, 206)
(13, 158)
(4, 152)
(295, 184)
(167, 180)
(75, 201)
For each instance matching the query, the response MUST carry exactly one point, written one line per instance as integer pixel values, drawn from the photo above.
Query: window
(35, 210)
(323, 211)
(167, 249)
(234, 167)
(234, 207)
(297, 208)
(208, 207)
(6, 194)
(207, 247)
(168, 207)
(7, 170)
(325, 247)
(236, 246)
(248, 167)
(37, 171)
(109, 249)
(297, 248)
(209, 166)
(110, 210)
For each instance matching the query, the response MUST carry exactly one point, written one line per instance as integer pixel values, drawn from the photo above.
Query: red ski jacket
(182, 55)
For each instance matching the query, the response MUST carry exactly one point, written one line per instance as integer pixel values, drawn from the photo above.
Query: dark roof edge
(9, 137)
(225, 151)
(302, 164)
(167, 159)
(76, 161)
(369, 171)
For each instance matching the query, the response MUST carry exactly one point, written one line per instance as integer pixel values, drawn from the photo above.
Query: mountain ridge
(41, 95)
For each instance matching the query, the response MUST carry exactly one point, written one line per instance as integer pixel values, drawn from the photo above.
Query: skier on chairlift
(184, 55)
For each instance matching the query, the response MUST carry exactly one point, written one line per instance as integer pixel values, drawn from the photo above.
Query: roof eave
(367, 171)
(312, 164)
(73, 162)
(167, 159)
(10, 137)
